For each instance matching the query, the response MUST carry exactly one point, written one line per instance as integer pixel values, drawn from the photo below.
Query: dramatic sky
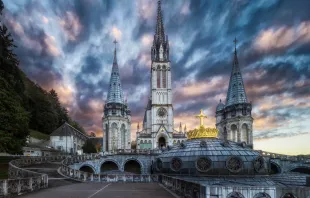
(67, 46)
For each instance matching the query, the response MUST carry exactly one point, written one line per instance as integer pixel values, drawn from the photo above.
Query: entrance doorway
(161, 142)
(132, 166)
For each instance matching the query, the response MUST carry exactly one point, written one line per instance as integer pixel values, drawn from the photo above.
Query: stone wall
(23, 181)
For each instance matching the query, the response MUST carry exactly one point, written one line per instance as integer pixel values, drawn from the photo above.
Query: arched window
(234, 134)
(123, 134)
(158, 77)
(245, 133)
(164, 73)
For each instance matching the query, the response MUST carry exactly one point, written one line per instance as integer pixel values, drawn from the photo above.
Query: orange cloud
(116, 33)
(51, 45)
(193, 89)
(277, 38)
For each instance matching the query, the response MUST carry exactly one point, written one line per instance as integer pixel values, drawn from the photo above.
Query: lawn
(39, 135)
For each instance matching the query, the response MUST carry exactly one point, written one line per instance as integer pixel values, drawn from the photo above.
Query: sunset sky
(68, 46)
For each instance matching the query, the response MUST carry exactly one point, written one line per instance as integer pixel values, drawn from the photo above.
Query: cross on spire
(201, 116)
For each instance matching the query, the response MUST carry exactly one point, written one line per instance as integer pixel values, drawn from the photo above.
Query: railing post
(5, 188)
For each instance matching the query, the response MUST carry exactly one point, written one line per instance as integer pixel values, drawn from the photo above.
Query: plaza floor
(61, 187)
(106, 190)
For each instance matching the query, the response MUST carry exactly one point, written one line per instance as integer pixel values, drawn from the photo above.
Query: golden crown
(202, 132)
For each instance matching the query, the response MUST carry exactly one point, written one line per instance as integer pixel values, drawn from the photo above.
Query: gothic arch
(245, 133)
(133, 166)
(234, 132)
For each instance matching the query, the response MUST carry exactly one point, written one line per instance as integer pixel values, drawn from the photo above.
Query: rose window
(259, 164)
(234, 164)
(203, 164)
(176, 164)
(162, 112)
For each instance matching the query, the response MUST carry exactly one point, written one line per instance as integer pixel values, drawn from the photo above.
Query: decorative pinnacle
(235, 56)
(115, 59)
(201, 116)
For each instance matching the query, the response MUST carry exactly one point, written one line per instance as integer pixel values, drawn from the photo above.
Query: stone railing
(136, 151)
(82, 176)
(302, 159)
(181, 187)
(21, 180)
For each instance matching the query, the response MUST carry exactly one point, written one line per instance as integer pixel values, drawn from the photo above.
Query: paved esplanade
(106, 190)
(60, 187)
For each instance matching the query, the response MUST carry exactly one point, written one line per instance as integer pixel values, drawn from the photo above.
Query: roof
(66, 130)
(220, 106)
(236, 93)
(115, 94)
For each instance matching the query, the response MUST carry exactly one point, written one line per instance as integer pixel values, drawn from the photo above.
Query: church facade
(116, 118)
(158, 123)
(233, 119)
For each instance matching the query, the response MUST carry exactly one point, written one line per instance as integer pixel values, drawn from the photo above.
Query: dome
(210, 156)
(220, 106)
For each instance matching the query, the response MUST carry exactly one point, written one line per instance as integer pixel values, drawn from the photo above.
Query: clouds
(69, 46)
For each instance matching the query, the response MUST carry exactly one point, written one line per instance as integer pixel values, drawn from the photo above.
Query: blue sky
(68, 46)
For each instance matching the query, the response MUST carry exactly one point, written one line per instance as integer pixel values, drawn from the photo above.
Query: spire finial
(115, 59)
(235, 41)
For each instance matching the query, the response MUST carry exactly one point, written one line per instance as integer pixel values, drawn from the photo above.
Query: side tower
(233, 119)
(116, 114)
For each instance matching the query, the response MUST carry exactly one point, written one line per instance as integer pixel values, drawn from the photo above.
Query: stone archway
(288, 195)
(304, 170)
(87, 168)
(162, 142)
(108, 166)
(235, 195)
(132, 166)
(262, 195)
(274, 168)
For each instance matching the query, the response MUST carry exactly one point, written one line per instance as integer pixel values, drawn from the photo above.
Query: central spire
(160, 31)
(160, 48)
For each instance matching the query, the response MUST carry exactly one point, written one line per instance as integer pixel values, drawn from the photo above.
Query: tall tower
(161, 92)
(116, 119)
(233, 119)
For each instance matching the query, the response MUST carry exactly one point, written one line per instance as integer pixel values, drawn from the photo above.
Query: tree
(77, 126)
(14, 118)
(92, 134)
(89, 147)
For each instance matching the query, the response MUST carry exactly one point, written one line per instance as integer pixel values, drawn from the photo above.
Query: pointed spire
(115, 94)
(236, 92)
(138, 127)
(160, 31)
(180, 128)
(185, 129)
(160, 48)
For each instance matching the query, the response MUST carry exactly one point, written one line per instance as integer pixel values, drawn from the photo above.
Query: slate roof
(66, 130)
(236, 92)
(115, 94)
